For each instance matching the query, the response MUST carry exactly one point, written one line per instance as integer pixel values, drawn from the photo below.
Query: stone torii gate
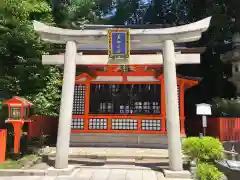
(163, 38)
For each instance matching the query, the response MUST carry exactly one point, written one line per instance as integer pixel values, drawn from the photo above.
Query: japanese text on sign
(118, 43)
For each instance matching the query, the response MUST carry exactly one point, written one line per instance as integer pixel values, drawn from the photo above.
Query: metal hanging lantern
(124, 68)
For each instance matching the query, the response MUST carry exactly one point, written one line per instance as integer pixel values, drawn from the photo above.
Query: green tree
(20, 55)
(74, 13)
(217, 40)
(172, 12)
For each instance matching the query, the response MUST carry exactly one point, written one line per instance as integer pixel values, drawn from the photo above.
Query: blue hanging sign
(118, 43)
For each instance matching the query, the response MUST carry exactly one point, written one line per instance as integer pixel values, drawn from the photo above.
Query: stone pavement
(101, 174)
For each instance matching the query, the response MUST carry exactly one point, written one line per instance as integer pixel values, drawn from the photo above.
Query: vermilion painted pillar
(181, 103)
(163, 105)
(86, 103)
(17, 125)
(3, 142)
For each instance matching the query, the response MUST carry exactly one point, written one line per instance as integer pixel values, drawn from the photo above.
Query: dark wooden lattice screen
(125, 99)
(78, 99)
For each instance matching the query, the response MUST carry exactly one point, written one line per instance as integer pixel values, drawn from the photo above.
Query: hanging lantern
(124, 68)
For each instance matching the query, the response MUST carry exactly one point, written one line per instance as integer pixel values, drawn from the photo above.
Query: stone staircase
(137, 157)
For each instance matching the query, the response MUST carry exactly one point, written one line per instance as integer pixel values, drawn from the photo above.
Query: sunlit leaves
(20, 55)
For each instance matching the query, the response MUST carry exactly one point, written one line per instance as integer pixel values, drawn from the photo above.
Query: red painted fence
(3, 141)
(46, 125)
(224, 128)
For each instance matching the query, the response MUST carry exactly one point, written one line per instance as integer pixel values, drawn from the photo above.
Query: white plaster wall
(141, 79)
(109, 78)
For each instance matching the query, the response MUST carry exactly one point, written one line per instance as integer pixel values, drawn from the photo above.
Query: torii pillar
(172, 110)
(166, 36)
(65, 116)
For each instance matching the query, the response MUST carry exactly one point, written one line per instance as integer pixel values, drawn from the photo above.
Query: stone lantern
(18, 113)
(233, 57)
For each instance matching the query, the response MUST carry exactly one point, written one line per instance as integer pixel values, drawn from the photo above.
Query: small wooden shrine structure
(110, 99)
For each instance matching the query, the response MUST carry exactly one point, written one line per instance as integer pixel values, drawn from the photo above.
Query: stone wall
(122, 140)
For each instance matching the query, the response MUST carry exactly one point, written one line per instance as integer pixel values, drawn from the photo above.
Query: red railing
(118, 124)
(143, 124)
(224, 128)
(3, 142)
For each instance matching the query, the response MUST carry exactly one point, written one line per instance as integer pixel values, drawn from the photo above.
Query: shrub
(191, 147)
(207, 172)
(206, 149)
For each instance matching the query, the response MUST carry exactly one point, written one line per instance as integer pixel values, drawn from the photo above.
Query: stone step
(152, 162)
(117, 161)
(115, 156)
(127, 161)
(83, 161)
(104, 153)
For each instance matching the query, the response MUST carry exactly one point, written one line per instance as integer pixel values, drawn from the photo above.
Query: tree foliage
(20, 48)
(172, 12)
(20, 55)
(66, 13)
(217, 40)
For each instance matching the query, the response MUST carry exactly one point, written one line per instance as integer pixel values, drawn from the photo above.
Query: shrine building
(123, 106)
(134, 100)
